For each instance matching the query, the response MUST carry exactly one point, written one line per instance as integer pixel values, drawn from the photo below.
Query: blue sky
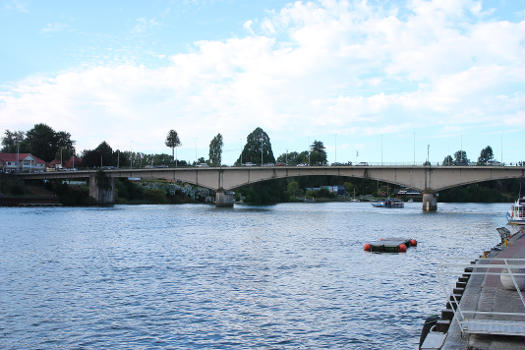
(380, 78)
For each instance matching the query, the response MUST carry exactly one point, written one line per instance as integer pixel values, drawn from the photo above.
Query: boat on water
(389, 203)
(516, 214)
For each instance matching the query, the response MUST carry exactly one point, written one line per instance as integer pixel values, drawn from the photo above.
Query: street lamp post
(18, 156)
(261, 140)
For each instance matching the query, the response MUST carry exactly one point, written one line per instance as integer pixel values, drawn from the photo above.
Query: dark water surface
(290, 276)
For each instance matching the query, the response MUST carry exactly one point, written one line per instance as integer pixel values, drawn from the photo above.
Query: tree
(258, 149)
(216, 150)
(448, 161)
(172, 141)
(64, 144)
(317, 153)
(485, 155)
(293, 158)
(460, 158)
(11, 140)
(293, 189)
(42, 142)
(101, 156)
(350, 187)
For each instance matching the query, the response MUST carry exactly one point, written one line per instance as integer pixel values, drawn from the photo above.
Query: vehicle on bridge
(516, 214)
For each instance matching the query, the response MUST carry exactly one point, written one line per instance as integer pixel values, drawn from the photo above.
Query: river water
(289, 276)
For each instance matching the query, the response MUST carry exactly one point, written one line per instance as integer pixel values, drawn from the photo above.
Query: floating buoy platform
(390, 244)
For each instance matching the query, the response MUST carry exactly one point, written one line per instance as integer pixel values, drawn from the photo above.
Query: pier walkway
(496, 308)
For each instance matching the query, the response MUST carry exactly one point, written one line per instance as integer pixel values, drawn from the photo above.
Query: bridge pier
(102, 193)
(224, 200)
(429, 202)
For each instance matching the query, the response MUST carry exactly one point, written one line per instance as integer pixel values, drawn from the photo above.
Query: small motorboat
(516, 214)
(389, 203)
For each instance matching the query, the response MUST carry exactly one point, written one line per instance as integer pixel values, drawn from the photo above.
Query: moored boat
(516, 214)
(389, 203)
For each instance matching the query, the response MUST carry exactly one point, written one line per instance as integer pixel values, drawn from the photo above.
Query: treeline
(41, 141)
(488, 192)
(294, 189)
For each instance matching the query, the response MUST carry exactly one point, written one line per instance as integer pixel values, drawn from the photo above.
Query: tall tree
(42, 141)
(172, 141)
(64, 144)
(216, 150)
(485, 155)
(258, 149)
(103, 155)
(11, 141)
(460, 158)
(448, 161)
(317, 153)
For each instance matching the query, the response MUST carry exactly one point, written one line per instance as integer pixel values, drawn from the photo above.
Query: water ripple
(290, 276)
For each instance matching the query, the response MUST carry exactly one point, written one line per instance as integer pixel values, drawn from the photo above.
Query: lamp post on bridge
(18, 155)
(262, 144)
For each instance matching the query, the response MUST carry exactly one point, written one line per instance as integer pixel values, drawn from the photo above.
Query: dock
(481, 313)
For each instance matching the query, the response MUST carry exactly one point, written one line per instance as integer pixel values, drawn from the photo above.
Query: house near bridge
(9, 162)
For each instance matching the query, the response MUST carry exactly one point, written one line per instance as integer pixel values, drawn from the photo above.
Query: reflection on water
(192, 276)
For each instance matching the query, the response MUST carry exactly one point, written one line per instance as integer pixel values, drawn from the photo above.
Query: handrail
(482, 267)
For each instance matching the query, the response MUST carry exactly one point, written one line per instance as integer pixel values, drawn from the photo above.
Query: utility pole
(501, 147)
(461, 150)
(118, 159)
(261, 140)
(428, 154)
(414, 134)
(381, 149)
(309, 151)
(18, 155)
(335, 147)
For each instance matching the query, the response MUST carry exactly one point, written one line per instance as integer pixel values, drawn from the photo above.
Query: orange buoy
(413, 242)
(402, 248)
(367, 247)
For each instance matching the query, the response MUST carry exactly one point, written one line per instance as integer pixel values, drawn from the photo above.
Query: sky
(376, 81)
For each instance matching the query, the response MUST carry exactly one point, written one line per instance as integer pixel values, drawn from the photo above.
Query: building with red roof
(21, 161)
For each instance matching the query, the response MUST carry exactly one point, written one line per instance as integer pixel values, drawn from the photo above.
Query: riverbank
(490, 315)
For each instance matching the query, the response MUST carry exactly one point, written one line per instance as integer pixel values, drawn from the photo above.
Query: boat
(516, 214)
(389, 203)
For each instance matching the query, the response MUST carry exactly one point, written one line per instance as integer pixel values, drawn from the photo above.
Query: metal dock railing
(487, 307)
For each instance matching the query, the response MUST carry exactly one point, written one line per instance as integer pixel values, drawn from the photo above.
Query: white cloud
(144, 25)
(17, 5)
(311, 68)
(53, 27)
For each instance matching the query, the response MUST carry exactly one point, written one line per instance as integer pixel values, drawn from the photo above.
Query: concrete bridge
(427, 179)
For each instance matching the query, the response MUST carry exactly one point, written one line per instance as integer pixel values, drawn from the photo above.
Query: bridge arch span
(424, 179)
(259, 180)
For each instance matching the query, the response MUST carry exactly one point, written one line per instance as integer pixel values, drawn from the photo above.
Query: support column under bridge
(429, 202)
(224, 199)
(102, 188)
